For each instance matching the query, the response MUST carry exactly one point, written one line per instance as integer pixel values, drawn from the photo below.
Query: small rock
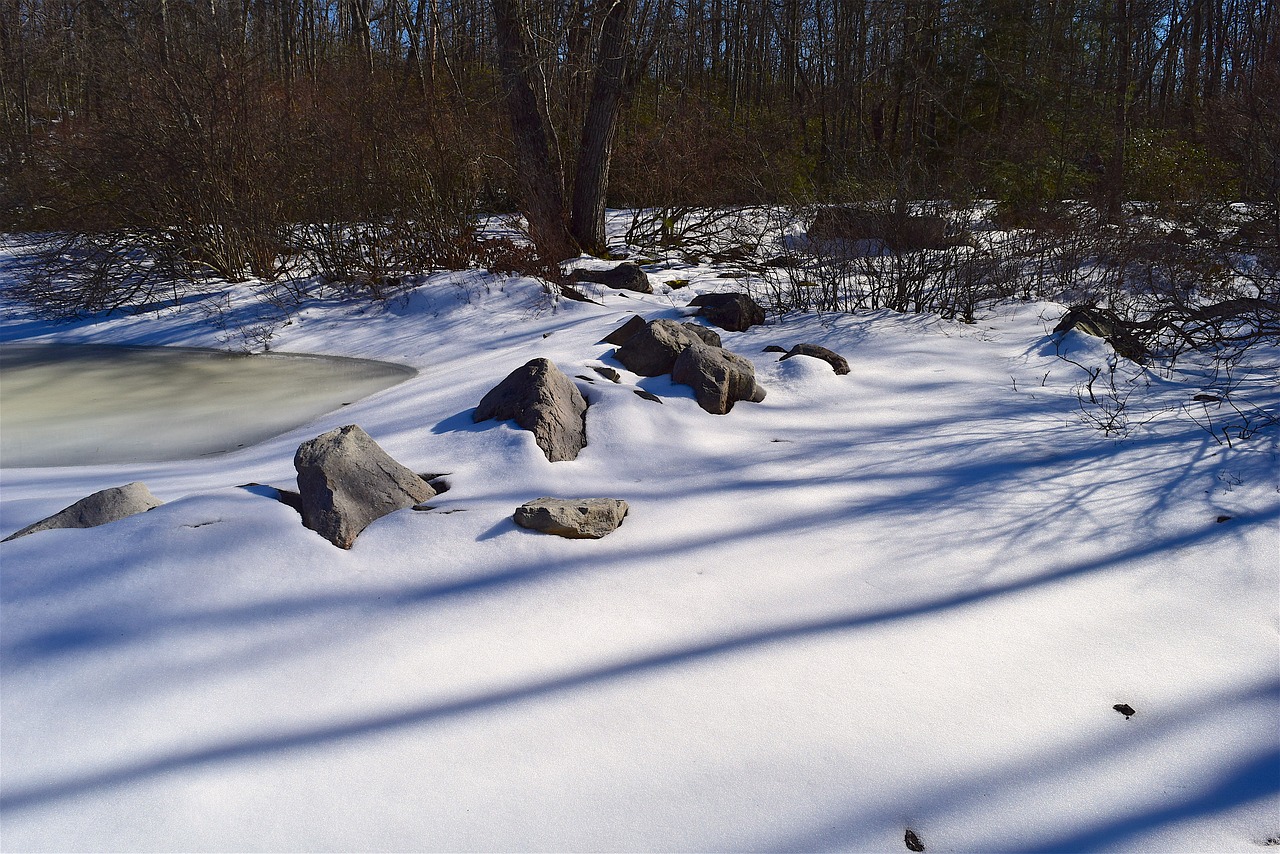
(572, 518)
(542, 400)
(608, 373)
(576, 295)
(626, 277)
(774, 348)
(1124, 709)
(835, 360)
(647, 395)
(619, 336)
(677, 284)
(107, 505)
(733, 311)
(913, 841)
(346, 481)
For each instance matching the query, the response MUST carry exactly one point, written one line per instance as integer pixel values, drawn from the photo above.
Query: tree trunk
(591, 180)
(540, 174)
(1115, 167)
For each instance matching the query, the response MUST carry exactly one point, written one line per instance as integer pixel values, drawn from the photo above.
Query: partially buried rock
(108, 505)
(708, 336)
(653, 351)
(542, 400)
(573, 518)
(624, 277)
(734, 312)
(346, 480)
(835, 360)
(719, 378)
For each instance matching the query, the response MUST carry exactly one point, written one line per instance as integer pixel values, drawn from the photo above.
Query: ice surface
(82, 404)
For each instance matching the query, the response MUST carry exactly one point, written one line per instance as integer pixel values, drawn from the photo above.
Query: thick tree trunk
(1115, 167)
(591, 180)
(540, 173)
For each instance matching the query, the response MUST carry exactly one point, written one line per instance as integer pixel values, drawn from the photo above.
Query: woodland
(246, 138)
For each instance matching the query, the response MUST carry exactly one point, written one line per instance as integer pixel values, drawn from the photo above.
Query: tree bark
(540, 174)
(599, 127)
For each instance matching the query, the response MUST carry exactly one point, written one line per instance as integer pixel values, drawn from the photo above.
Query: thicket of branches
(363, 135)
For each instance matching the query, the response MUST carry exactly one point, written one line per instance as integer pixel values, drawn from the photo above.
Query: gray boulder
(574, 518)
(345, 481)
(107, 505)
(624, 277)
(708, 336)
(544, 401)
(832, 358)
(653, 351)
(719, 378)
(734, 312)
(620, 335)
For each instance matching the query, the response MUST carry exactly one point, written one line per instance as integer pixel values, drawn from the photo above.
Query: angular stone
(832, 358)
(734, 312)
(107, 505)
(542, 400)
(346, 480)
(573, 518)
(624, 277)
(653, 351)
(719, 378)
(619, 336)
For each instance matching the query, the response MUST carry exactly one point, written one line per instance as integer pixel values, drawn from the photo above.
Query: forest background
(210, 131)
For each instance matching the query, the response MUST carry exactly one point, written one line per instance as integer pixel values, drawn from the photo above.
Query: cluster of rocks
(693, 356)
(346, 480)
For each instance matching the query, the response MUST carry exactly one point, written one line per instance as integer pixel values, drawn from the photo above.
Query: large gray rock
(625, 277)
(832, 358)
(574, 518)
(719, 378)
(108, 505)
(652, 351)
(734, 312)
(345, 481)
(542, 400)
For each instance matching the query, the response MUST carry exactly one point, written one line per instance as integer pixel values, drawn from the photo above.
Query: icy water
(81, 405)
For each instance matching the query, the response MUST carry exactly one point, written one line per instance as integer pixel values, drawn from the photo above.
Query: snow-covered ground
(908, 597)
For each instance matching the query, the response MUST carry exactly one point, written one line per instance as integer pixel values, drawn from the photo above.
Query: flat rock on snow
(572, 518)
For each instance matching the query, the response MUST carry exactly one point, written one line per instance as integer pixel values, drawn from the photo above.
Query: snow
(905, 597)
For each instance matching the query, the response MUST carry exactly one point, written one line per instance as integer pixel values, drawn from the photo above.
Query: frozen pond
(86, 404)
